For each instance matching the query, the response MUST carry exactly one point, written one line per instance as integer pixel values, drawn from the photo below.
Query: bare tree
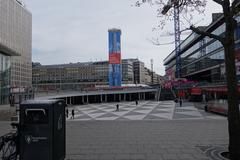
(230, 9)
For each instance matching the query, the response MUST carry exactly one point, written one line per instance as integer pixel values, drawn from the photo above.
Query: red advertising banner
(114, 58)
(196, 91)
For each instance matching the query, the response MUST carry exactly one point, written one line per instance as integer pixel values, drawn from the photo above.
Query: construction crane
(166, 8)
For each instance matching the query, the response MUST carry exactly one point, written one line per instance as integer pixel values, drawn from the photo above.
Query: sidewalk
(144, 140)
(175, 139)
(6, 112)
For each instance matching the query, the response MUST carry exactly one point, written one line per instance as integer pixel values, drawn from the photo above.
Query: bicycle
(9, 145)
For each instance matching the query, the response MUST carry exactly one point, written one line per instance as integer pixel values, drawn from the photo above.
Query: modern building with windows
(202, 58)
(73, 76)
(78, 76)
(127, 71)
(5, 54)
(139, 72)
(15, 40)
(16, 33)
(151, 78)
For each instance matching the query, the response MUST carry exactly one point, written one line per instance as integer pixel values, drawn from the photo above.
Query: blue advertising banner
(115, 75)
(114, 41)
(115, 68)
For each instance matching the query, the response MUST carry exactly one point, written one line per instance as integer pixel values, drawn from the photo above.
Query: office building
(16, 33)
(15, 40)
(202, 58)
(127, 71)
(77, 76)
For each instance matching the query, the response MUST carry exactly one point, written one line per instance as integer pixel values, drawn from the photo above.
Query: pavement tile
(141, 139)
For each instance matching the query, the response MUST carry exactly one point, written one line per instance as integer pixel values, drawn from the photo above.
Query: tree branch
(234, 3)
(157, 43)
(210, 35)
(235, 7)
(220, 2)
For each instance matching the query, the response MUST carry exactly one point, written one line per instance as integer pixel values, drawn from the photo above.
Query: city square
(145, 110)
(120, 80)
(152, 130)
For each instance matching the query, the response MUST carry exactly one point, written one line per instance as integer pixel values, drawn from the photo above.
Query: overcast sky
(67, 31)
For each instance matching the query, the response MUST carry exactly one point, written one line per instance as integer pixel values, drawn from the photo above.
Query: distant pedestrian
(72, 114)
(180, 101)
(136, 102)
(204, 98)
(67, 112)
(117, 107)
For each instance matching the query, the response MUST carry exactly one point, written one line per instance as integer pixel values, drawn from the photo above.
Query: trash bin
(42, 130)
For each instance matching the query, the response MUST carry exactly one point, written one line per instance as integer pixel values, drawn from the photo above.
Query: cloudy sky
(67, 31)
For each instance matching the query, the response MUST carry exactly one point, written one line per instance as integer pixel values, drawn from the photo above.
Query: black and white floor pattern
(145, 110)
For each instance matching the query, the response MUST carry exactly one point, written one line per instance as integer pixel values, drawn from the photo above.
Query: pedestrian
(204, 98)
(117, 107)
(72, 114)
(180, 101)
(67, 112)
(136, 102)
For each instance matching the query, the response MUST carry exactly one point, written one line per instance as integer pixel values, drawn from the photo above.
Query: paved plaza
(149, 131)
(145, 140)
(145, 110)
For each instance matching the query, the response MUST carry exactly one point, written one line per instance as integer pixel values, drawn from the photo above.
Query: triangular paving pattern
(133, 114)
(135, 117)
(164, 116)
(120, 113)
(107, 118)
(89, 111)
(96, 114)
(84, 116)
(159, 111)
(98, 111)
(107, 115)
(142, 111)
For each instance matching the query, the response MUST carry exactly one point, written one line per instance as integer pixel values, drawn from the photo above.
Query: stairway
(166, 94)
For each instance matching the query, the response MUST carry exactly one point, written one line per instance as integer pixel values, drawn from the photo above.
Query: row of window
(208, 47)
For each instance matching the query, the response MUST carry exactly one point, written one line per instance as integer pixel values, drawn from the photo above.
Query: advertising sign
(115, 75)
(196, 91)
(114, 58)
(115, 68)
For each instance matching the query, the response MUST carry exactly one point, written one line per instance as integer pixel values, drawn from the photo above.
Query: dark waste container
(42, 130)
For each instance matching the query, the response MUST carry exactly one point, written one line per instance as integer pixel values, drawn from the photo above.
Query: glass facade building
(4, 78)
(16, 34)
(202, 58)
(15, 47)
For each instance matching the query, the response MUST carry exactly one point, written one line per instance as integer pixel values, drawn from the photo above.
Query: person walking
(180, 101)
(72, 114)
(117, 107)
(136, 102)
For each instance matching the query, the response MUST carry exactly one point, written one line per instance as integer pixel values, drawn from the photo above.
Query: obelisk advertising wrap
(115, 68)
